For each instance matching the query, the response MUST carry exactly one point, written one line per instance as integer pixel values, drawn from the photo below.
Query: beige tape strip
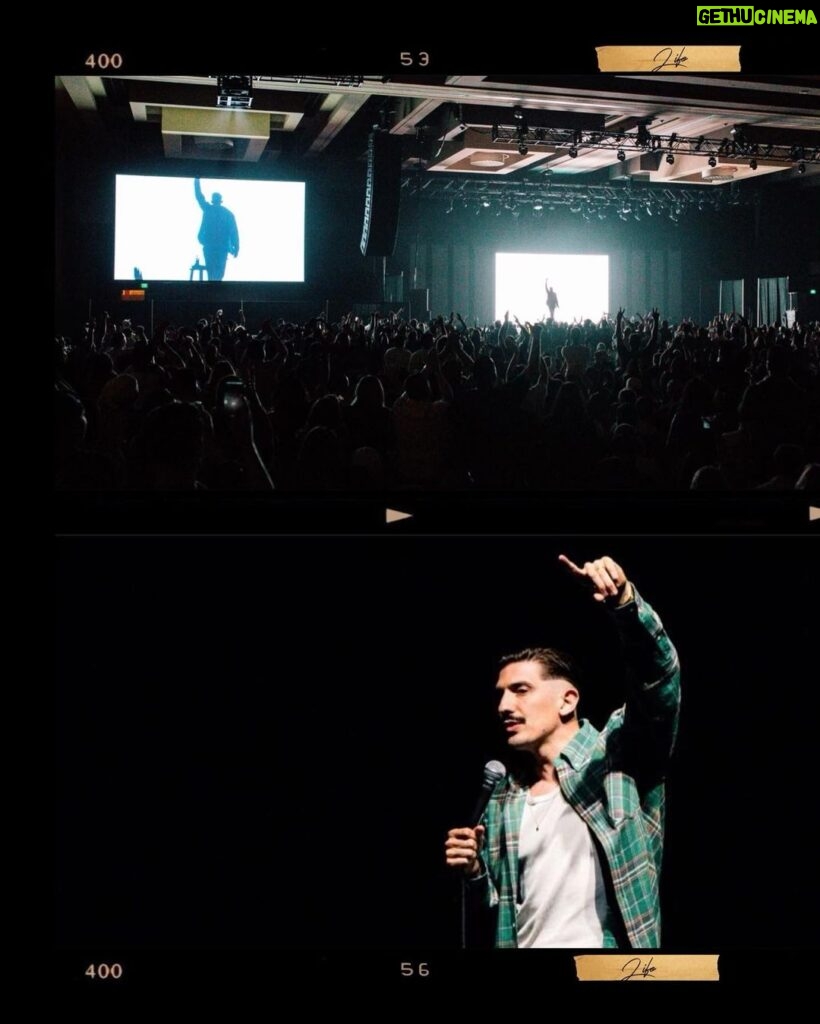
(662, 58)
(647, 967)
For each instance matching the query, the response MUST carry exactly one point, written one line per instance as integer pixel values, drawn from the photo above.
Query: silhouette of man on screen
(218, 234)
(552, 299)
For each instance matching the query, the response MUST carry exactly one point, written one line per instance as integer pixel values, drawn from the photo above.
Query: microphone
(494, 772)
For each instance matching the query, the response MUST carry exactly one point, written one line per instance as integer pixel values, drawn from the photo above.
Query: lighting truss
(339, 81)
(644, 141)
(632, 199)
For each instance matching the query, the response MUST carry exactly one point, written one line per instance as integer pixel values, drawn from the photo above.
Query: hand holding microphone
(464, 845)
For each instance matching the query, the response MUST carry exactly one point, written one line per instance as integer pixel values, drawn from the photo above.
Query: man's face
(529, 705)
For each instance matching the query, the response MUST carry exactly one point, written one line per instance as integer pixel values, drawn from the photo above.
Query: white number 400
(104, 971)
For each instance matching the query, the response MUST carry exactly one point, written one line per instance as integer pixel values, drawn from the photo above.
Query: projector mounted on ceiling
(234, 91)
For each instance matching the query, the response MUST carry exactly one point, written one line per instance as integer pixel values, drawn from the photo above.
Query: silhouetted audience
(626, 404)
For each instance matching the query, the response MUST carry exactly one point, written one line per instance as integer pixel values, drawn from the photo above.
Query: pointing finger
(573, 568)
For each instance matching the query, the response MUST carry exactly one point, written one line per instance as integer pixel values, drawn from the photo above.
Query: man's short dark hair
(555, 663)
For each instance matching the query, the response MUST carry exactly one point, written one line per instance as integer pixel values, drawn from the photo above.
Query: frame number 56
(412, 970)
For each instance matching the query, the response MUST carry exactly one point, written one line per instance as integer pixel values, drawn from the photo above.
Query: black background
(262, 741)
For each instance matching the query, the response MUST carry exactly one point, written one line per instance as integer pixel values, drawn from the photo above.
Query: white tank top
(561, 892)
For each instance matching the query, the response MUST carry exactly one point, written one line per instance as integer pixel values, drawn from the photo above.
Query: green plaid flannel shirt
(614, 779)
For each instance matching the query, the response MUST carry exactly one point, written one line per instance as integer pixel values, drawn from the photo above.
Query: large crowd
(387, 403)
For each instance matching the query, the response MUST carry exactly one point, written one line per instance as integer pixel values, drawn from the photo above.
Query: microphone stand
(463, 913)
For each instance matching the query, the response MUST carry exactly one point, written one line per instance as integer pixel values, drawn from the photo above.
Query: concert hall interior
(302, 283)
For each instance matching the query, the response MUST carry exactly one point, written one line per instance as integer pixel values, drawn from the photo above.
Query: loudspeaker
(381, 197)
(419, 299)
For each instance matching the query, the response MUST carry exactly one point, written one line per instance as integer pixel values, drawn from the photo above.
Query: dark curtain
(731, 297)
(772, 299)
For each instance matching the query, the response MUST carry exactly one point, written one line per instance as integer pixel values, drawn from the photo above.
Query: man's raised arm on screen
(200, 198)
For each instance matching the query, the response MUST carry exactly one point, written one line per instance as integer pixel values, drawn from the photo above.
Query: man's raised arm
(653, 671)
(200, 198)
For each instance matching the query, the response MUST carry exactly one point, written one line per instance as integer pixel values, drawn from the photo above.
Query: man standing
(552, 299)
(218, 234)
(569, 849)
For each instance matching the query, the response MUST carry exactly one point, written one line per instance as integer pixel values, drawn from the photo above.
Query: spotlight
(801, 168)
(522, 148)
(621, 155)
(485, 203)
(712, 161)
(573, 152)
(753, 164)
(670, 159)
(538, 205)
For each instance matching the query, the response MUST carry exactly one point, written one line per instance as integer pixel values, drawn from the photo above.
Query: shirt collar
(579, 749)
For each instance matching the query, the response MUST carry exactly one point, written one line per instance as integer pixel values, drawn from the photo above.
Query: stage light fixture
(522, 148)
(573, 152)
(753, 164)
(712, 162)
(670, 159)
(538, 205)
(801, 168)
(621, 155)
